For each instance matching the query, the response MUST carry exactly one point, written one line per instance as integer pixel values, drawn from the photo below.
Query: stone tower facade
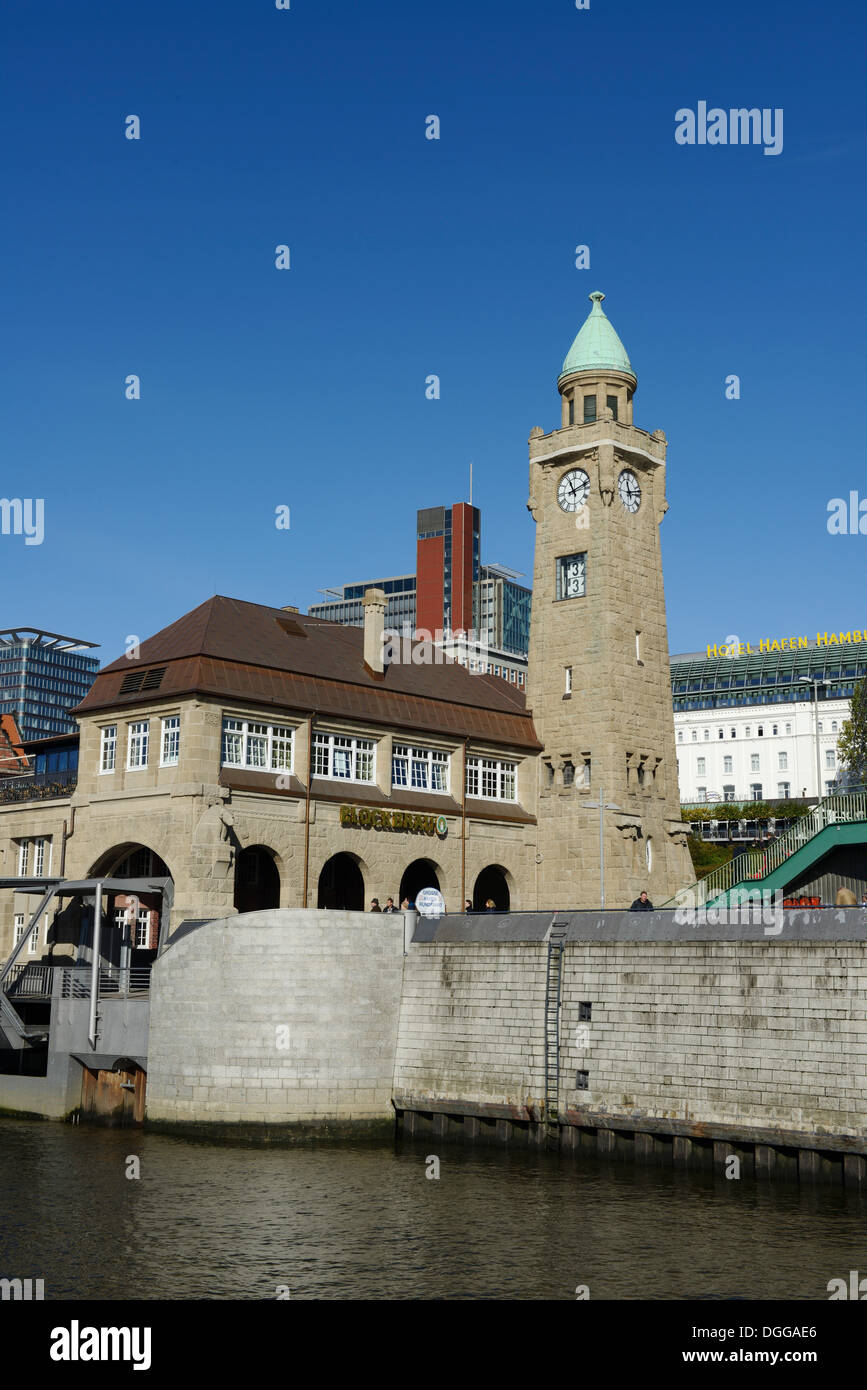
(598, 679)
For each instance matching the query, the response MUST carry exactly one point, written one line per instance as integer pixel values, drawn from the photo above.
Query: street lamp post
(602, 805)
(816, 681)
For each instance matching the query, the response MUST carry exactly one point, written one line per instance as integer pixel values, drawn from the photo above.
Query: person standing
(389, 905)
(374, 905)
(642, 903)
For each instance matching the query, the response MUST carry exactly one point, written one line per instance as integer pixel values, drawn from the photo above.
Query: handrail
(757, 864)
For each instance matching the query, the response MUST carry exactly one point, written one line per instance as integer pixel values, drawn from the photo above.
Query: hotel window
(107, 748)
(589, 409)
(491, 779)
(783, 763)
(833, 726)
(19, 927)
(820, 727)
(754, 762)
(774, 729)
(747, 731)
(137, 752)
(267, 747)
(701, 769)
(423, 769)
(680, 735)
(695, 735)
(756, 791)
(702, 793)
(830, 759)
(720, 733)
(706, 735)
(728, 793)
(734, 733)
(784, 790)
(171, 741)
(761, 731)
(340, 755)
(788, 728)
(727, 764)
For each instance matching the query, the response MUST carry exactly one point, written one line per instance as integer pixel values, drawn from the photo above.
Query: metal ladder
(554, 977)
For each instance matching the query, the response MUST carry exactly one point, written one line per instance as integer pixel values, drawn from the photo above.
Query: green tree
(852, 742)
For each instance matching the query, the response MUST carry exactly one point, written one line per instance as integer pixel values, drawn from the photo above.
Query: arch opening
(421, 873)
(257, 880)
(492, 885)
(341, 884)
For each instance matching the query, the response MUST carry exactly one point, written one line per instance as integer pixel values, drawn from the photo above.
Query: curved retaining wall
(277, 1018)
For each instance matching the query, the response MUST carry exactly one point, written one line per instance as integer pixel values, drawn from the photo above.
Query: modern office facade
(448, 559)
(345, 603)
(752, 727)
(42, 677)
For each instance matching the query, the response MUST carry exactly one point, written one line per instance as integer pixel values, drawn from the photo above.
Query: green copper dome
(597, 346)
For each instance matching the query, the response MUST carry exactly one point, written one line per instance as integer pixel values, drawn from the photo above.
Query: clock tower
(598, 683)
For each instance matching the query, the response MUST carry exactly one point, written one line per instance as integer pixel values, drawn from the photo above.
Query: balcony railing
(29, 981)
(39, 786)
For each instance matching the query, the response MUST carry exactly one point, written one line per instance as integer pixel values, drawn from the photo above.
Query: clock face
(571, 576)
(573, 490)
(630, 492)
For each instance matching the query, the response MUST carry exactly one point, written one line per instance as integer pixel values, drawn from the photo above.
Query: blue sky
(306, 387)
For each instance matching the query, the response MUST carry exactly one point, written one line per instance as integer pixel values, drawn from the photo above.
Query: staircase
(553, 983)
(834, 821)
(17, 1035)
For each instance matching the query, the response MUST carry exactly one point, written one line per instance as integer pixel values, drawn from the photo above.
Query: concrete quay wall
(695, 1032)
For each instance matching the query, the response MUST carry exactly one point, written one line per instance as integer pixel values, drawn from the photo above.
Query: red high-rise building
(447, 567)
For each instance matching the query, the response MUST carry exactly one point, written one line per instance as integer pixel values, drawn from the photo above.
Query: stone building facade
(262, 758)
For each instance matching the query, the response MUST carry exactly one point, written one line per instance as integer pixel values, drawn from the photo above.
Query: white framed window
(788, 728)
(33, 943)
(707, 735)
(343, 756)
(695, 735)
(756, 791)
(700, 769)
(754, 762)
(821, 730)
(141, 935)
(701, 794)
(18, 923)
(833, 726)
(720, 733)
(39, 865)
(783, 762)
(734, 733)
(784, 790)
(23, 858)
(680, 735)
(492, 779)
(761, 731)
(422, 769)
(34, 857)
(107, 748)
(727, 764)
(728, 793)
(747, 731)
(137, 746)
(829, 788)
(830, 759)
(170, 742)
(267, 747)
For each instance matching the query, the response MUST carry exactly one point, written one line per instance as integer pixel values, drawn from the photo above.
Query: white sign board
(430, 903)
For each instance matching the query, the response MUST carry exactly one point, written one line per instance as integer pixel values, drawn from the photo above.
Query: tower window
(571, 410)
(589, 409)
(638, 648)
(568, 682)
(611, 402)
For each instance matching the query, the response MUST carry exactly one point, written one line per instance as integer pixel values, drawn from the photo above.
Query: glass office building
(42, 676)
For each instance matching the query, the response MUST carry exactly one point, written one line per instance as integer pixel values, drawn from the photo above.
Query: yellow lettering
(803, 642)
(713, 651)
(742, 649)
(764, 645)
(774, 647)
(833, 638)
(856, 635)
(821, 641)
(846, 637)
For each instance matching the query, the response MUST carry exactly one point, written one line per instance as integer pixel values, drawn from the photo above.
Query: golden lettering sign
(376, 818)
(785, 644)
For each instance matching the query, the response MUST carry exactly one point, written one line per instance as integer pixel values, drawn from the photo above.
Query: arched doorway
(491, 883)
(421, 873)
(257, 880)
(133, 942)
(341, 884)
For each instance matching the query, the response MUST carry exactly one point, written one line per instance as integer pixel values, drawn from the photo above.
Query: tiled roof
(230, 649)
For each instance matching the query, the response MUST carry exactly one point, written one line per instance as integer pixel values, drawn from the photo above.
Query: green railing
(758, 863)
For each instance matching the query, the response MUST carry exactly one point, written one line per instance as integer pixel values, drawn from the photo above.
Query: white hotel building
(747, 728)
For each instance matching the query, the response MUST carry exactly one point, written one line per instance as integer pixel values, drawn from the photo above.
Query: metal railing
(75, 981)
(757, 864)
(38, 786)
(29, 981)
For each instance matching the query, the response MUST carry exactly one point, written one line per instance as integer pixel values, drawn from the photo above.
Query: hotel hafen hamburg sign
(732, 647)
(372, 818)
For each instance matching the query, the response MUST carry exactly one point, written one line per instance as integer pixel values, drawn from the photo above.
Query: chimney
(289, 608)
(374, 630)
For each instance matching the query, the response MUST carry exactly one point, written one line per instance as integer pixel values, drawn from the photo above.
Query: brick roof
(230, 649)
